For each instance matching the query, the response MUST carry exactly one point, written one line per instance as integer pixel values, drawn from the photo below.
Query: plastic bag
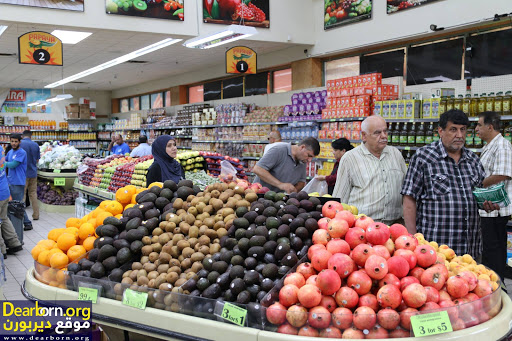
(227, 171)
(16, 208)
(316, 186)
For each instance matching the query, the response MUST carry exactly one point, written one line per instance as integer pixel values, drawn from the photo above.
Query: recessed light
(71, 37)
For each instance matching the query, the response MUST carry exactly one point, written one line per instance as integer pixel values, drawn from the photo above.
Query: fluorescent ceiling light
(33, 104)
(229, 34)
(71, 37)
(60, 97)
(113, 62)
(2, 29)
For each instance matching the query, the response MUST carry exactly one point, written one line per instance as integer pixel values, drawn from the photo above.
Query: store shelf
(474, 150)
(331, 140)
(94, 191)
(250, 158)
(324, 159)
(52, 175)
(67, 130)
(184, 147)
(340, 119)
(218, 125)
(230, 141)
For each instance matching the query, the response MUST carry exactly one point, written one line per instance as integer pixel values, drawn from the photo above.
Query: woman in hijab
(165, 167)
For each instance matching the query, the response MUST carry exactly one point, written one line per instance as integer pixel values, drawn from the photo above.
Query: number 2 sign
(39, 48)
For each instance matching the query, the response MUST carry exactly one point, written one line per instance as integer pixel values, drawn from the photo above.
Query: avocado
(112, 221)
(253, 290)
(257, 241)
(226, 256)
(228, 296)
(302, 232)
(134, 235)
(317, 215)
(267, 284)
(283, 240)
(297, 222)
(301, 211)
(287, 218)
(244, 297)
(133, 223)
(260, 220)
(84, 273)
(236, 286)
(311, 225)
(189, 285)
(202, 284)
(296, 243)
(104, 241)
(93, 255)
(238, 252)
(258, 207)
(116, 275)
(281, 250)
(293, 195)
(73, 268)
(291, 209)
(272, 222)
(241, 223)
(270, 211)
(166, 193)
(237, 271)
(283, 231)
(302, 196)
(256, 251)
(110, 263)
(240, 233)
(269, 258)
(259, 267)
(268, 203)
(270, 246)
(108, 231)
(121, 243)
(85, 264)
(97, 270)
(202, 273)
(283, 270)
(132, 212)
(290, 259)
(279, 205)
(272, 234)
(251, 216)
(304, 216)
(220, 266)
(170, 185)
(184, 192)
(105, 252)
(270, 195)
(212, 276)
(207, 263)
(122, 235)
(149, 197)
(161, 202)
(124, 255)
(251, 277)
(216, 257)
(155, 190)
(230, 243)
(237, 260)
(140, 195)
(241, 211)
(270, 271)
(152, 213)
(250, 263)
(145, 206)
(213, 291)
(185, 183)
(151, 224)
(136, 246)
(261, 231)
(223, 281)
(251, 231)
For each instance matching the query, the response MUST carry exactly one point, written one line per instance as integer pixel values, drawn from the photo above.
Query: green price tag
(88, 294)
(95, 191)
(258, 141)
(135, 299)
(234, 314)
(333, 120)
(407, 148)
(59, 181)
(56, 170)
(81, 187)
(431, 324)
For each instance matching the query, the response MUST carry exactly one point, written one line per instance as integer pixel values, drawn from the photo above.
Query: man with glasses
(370, 176)
(283, 168)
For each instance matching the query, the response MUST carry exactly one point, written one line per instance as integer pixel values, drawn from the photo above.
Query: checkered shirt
(446, 211)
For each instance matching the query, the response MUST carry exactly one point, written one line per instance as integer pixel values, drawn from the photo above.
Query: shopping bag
(316, 186)
(227, 171)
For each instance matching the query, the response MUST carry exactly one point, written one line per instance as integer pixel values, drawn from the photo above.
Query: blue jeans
(17, 192)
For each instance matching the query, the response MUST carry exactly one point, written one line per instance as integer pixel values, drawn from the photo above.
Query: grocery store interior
(219, 76)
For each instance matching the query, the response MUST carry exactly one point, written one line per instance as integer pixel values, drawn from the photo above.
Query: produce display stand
(93, 192)
(150, 324)
(69, 177)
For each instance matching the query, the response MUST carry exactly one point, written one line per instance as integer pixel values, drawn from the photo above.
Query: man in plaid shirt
(497, 161)
(438, 199)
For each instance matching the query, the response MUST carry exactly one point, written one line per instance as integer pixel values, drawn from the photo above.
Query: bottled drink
(403, 135)
(390, 133)
(489, 102)
(507, 132)
(507, 103)
(420, 135)
(411, 135)
(429, 134)
(395, 138)
(498, 103)
(470, 133)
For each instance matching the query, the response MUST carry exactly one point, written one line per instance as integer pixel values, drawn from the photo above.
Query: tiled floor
(17, 265)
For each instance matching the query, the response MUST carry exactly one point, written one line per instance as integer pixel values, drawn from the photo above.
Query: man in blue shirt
(33, 155)
(8, 234)
(143, 149)
(117, 146)
(16, 161)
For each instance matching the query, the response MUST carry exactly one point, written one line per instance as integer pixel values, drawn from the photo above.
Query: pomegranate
(338, 246)
(259, 15)
(296, 279)
(476, 302)
(376, 267)
(451, 308)
(389, 296)
(405, 317)
(390, 246)
(346, 297)
(330, 209)
(342, 264)
(288, 295)
(321, 237)
(297, 316)
(308, 331)
(355, 236)
(382, 251)
(337, 228)
(312, 280)
(471, 321)
(409, 256)
(389, 279)
(276, 313)
(243, 11)
(361, 253)
(457, 286)
(397, 230)
(369, 300)
(323, 222)
(444, 296)
(429, 306)
(319, 317)
(360, 282)
(406, 281)
(399, 333)
(458, 324)
(406, 242)
(286, 328)
(377, 332)
(442, 268)
(353, 334)
(329, 303)
(414, 295)
(309, 296)
(306, 270)
(314, 248)
(364, 318)
(377, 234)
(432, 294)
(433, 277)
(425, 255)
(483, 288)
(342, 318)
(398, 266)
(320, 259)
(328, 281)
(331, 333)
(470, 278)
(347, 216)
(483, 317)
(417, 272)
(363, 222)
(388, 318)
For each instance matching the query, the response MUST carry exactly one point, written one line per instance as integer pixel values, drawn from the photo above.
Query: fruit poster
(160, 9)
(39, 48)
(399, 5)
(342, 12)
(17, 100)
(69, 5)
(241, 59)
(238, 12)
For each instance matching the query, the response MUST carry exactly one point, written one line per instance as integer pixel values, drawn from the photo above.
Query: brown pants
(31, 187)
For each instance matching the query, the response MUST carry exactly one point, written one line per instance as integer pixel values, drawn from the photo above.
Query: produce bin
(167, 325)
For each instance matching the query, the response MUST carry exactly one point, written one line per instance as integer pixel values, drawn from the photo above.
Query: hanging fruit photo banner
(399, 5)
(237, 12)
(68, 5)
(241, 59)
(39, 48)
(343, 12)
(163, 9)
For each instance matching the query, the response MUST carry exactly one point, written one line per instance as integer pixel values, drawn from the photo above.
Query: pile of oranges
(69, 244)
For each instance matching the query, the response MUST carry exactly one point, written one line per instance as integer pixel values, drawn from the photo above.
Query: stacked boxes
(257, 133)
(253, 150)
(306, 106)
(299, 133)
(73, 110)
(337, 130)
(265, 114)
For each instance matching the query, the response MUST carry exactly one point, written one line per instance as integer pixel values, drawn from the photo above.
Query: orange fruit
(49, 275)
(115, 208)
(89, 243)
(86, 230)
(47, 243)
(118, 216)
(55, 250)
(128, 206)
(103, 205)
(73, 231)
(76, 252)
(73, 222)
(36, 250)
(124, 194)
(55, 233)
(158, 184)
(140, 190)
(65, 241)
(59, 260)
(84, 219)
(44, 258)
(100, 217)
(97, 211)
(134, 201)
(61, 277)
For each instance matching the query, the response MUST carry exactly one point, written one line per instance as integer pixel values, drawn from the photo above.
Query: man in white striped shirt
(370, 176)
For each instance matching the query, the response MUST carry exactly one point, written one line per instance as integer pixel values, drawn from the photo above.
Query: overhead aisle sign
(241, 59)
(40, 48)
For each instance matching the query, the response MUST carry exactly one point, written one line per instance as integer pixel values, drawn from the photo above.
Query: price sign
(88, 294)
(431, 324)
(56, 170)
(333, 120)
(59, 181)
(135, 299)
(407, 148)
(234, 314)
(81, 187)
